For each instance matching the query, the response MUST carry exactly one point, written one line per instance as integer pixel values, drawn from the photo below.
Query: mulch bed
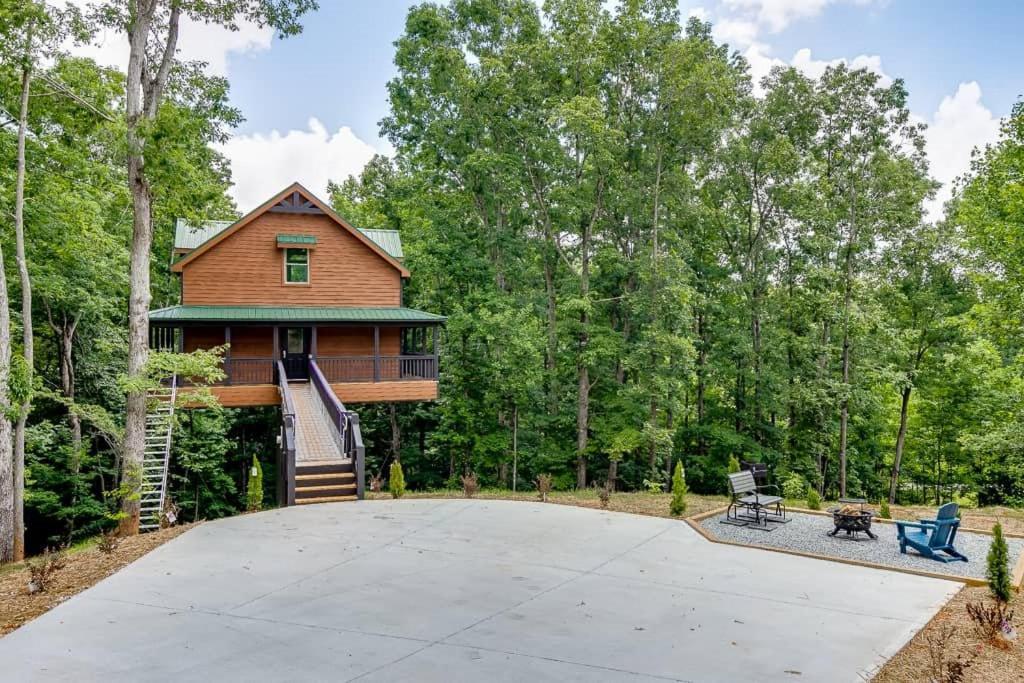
(987, 663)
(84, 569)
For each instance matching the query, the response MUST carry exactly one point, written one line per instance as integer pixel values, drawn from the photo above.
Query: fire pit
(852, 520)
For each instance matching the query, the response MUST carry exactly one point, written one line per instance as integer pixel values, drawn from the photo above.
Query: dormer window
(296, 266)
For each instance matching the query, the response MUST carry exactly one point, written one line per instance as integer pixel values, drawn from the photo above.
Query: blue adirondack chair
(932, 536)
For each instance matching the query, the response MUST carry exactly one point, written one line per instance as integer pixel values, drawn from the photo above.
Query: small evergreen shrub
(998, 573)
(813, 499)
(604, 494)
(396, 482)
(794, 487)
(734, 464)
(254, 491)
(543, 486)
(470, 485)
(678, 504)
(883, 509)
(653, 486)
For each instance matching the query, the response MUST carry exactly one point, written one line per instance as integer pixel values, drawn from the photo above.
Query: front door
(295, 352)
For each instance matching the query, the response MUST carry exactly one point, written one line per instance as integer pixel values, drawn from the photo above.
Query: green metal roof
(277, 314)
(296, 239)
(188, 237)
(388, 240)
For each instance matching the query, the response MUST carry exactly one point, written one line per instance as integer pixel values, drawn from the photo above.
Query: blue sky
(312, 103)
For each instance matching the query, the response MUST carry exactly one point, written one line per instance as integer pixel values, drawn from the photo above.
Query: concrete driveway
(460, 590)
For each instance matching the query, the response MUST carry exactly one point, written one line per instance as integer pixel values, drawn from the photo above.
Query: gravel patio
(808, 533)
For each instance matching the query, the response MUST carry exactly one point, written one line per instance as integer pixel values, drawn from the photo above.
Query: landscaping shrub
(543, 486)
(946, 666)
(42, 569)
(678, 504)
(734, 464)
(813, 499)
(396, 482)
(991, 623)
(470, 485)
(794, 487)
(653, 486)
(376, 483)
(254, 491)
(604, 494)
(998, 573)
(108, 542)
(883, 509)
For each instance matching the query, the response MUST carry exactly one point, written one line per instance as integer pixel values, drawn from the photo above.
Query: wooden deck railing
(335, 369)
(289, 439)
(344, 425)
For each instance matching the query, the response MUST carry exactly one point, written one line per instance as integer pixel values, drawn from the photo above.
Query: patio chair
(747, 498)
(932, 536)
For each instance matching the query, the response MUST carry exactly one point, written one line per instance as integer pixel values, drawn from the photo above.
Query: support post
(312, 344)
(435, 332)
(227, 354)
(376, 353)
(277, 349)
(179, 345)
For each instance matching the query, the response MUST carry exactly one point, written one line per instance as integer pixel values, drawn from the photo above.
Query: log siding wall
(247, 267)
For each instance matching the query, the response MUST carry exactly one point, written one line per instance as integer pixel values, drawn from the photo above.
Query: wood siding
(247, 268)
(252, 342)
(349, 392)
(356, 341)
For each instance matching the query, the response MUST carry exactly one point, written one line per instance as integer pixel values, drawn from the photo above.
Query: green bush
(813, 499)
(396, 482)
(678, 505)
(794, 487)
(254, 491)
(998, 573)
(883, 509)
(734, 464)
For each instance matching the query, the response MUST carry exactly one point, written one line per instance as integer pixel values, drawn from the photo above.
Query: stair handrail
(167, 442)
(345, 424)
(289, 438)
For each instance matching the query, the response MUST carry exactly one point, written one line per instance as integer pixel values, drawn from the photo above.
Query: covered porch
(365, 354)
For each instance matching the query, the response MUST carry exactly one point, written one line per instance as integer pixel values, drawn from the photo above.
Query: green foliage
(653, 486)
(794, 487)
(998, 570)
(254, 489)
(734, 464)
(813, 499)
(396, 480)
(678, 504)
(883, 509)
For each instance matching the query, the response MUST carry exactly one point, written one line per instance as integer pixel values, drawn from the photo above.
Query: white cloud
(814, 68)
(264, 164)
(960, 124)
(699, 13)
(737, 33)
(776, 14)
(197, 41)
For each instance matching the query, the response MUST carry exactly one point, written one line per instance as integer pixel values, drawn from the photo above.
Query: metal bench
(749, 505)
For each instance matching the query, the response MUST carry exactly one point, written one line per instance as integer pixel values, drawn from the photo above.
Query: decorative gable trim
(295, 203)
(290, 192)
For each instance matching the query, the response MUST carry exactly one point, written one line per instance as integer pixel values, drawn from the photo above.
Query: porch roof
(291, 314)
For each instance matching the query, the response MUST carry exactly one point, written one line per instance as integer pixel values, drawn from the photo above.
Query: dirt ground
(85, 567)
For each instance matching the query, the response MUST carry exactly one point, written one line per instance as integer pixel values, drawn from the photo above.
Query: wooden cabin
(311, 311)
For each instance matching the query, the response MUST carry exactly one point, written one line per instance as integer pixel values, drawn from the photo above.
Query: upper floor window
(296, 266)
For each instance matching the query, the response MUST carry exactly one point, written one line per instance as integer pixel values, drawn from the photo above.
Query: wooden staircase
(324, 482)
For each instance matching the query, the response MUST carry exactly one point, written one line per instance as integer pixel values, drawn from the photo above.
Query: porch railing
(344, 425)
(378, 368)
(335, 369)
(289, 439)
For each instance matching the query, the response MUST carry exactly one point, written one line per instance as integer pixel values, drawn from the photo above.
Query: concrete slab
(471, 590)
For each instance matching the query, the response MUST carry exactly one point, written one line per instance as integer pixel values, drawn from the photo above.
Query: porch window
(296, 266)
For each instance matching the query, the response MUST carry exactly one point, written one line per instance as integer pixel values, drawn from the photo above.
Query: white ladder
(156, 456)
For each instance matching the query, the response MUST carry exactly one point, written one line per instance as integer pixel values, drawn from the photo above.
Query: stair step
(341, 489)
(327, 478)
(340, 467)
(326, 499)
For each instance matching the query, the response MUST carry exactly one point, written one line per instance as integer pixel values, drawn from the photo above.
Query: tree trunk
(396, 432)
(901, 438)
(702, 361)
(18, 469)
(552, 334)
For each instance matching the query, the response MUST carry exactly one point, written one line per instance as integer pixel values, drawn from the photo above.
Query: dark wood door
(295, 351)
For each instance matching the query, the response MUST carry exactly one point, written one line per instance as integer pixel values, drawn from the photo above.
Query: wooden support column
(312, 344)
(227, 354)
(376, 353)
(437, 368)
(277, 349)
(180, 343)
